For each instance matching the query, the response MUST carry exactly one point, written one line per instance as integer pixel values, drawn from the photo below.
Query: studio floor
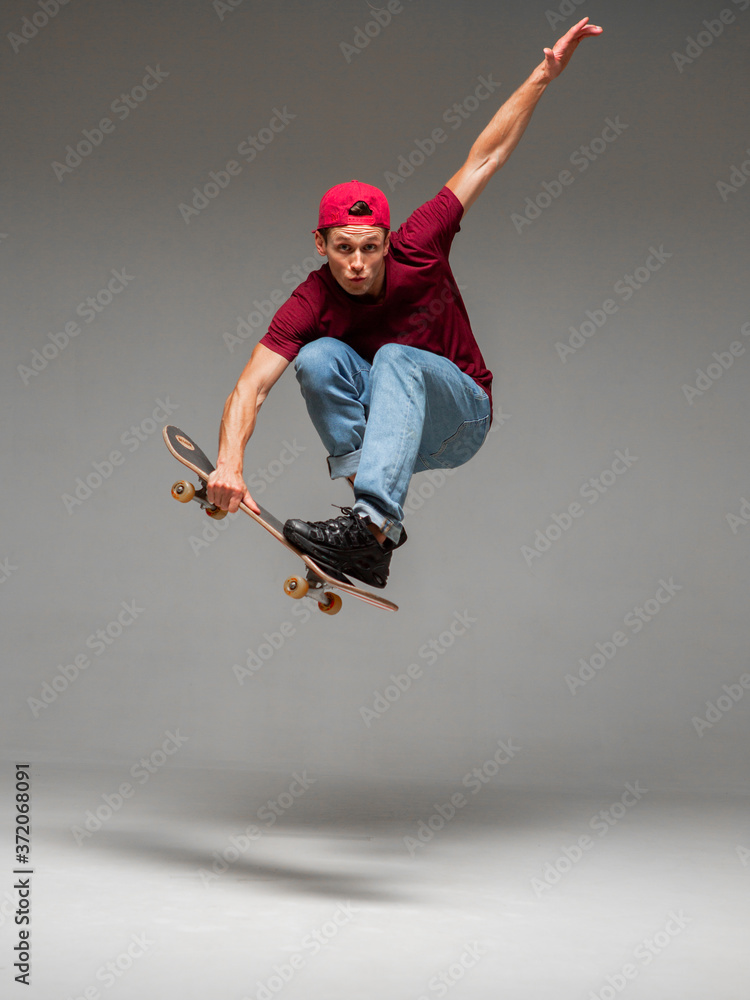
(228, 885)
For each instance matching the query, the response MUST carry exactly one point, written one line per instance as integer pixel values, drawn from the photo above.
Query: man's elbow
(474, 181)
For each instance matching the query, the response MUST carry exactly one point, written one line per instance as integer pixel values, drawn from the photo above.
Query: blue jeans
(408, 411)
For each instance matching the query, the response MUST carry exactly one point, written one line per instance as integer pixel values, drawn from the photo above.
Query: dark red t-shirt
(422, 306)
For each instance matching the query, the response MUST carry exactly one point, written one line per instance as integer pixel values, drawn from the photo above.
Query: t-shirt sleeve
(291, 327)
(433, 225)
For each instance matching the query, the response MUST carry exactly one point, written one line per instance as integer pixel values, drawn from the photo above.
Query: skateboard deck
(185, 450)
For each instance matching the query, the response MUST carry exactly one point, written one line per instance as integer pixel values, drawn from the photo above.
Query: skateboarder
(382, 346)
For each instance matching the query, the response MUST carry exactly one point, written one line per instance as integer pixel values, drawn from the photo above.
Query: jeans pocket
(461, 446)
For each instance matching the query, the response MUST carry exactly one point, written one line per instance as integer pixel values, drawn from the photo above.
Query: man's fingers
(558, 57)
(249, 502)
(221, 499)
(581, 30)
(226, 493)
(584, 28)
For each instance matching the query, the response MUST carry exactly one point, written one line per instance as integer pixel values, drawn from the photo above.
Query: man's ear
(387, 244)
(320, 244)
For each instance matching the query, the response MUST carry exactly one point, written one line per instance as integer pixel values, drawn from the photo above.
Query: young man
(392, 376)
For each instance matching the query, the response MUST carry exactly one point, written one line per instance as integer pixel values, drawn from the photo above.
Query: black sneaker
(344, 545)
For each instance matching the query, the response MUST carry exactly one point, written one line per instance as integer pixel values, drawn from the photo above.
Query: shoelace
(341, 521)
(347, 523)
(345, 512)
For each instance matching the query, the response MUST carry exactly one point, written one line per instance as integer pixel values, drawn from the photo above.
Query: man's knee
(394, 353)
(315, 359)
(400, 362)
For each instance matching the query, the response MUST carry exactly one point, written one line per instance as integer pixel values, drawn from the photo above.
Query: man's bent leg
(429, 414)
(334, 381)
(424, 413)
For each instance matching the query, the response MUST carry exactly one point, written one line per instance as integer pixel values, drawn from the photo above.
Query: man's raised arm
(502, 135)
(226, 487)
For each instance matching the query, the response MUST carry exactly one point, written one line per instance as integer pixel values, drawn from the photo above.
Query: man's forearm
(504, 132)
(237, 426)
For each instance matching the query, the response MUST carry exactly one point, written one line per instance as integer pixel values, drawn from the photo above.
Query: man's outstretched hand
(558, 57)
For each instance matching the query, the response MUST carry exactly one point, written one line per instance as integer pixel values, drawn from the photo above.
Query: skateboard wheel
(216, 513)
(332, 605)
(296, 587)
(183, 491)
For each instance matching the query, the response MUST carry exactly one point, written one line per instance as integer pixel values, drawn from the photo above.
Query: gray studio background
(202, 610)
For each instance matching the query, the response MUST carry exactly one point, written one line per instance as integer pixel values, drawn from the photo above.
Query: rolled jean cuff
(344, 465)
(391, 529)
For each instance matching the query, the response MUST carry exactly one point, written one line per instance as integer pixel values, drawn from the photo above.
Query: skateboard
(316, 579)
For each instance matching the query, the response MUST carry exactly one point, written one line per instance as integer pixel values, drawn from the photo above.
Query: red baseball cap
(336, 202)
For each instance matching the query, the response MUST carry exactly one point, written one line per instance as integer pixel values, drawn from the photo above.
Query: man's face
(356, 256)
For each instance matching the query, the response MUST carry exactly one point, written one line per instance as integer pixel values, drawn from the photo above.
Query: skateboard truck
(185, 492)
(297, 587)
